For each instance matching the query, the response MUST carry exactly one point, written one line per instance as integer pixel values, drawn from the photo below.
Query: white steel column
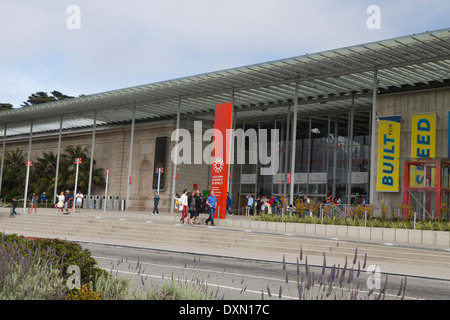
(308, 169)
(286, 151)
(28, 169)
(231, 150)
(174, 174)
(3, 157)
(294, 147)
(77, 162)
(372, 147)
(55, 193)
(130, 158)
(350, 151)
(92, 161)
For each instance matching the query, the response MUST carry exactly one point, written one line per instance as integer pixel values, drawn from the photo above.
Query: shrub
(63, 254)
(112, 288)
(27, 273)
(84, 293)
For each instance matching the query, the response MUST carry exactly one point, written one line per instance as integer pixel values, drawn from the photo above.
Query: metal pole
(372, 147)
(91, 166)
(286, 151)
(242, 152)
(294, 140)
(308, 169)
(57, 160)
(28, 168)
(3, 157)
(177, 137)
(130, 158)
(350, 151)
(321, 214)
(106, 191)
(365, 218)
(77, 161)
(159, 178)
(231, 150)
(415, 217)
(335, 154)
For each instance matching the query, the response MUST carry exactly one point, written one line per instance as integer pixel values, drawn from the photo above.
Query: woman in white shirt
(79, 201)
(184, 205)
(60, 203)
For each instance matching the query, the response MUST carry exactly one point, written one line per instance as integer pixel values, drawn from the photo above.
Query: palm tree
(14, 173)
(44, 174)
(70, 154)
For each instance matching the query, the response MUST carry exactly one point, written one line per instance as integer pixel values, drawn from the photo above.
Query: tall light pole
(107, 172)
(159, 170)
(28, 164)
(77, 162)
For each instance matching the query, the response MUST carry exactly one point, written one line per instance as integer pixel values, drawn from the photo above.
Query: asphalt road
(241, 279)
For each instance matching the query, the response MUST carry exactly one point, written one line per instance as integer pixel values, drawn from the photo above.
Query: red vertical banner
(221, 153)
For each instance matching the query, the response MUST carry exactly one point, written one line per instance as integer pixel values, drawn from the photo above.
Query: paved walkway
(404, 267)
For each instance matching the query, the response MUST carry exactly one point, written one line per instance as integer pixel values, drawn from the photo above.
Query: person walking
(78, 202)
(211, 202)
(177, 203)
(198, 205)
(34, 201)
(184, 204)
(192, 207)
(60, 203)
(67, 198)
(265, 205)
(44, 199)
(14, 206)
(258, 205)
(229, 204)
(156, 199)
(250, 204)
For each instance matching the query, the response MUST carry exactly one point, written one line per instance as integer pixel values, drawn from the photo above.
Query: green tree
(66, 179)
(5, 106)
(43, 171)
(44, 174)
(14, 173)
(43, 97)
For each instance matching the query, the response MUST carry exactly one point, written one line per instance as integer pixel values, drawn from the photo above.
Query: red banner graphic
(219, 176)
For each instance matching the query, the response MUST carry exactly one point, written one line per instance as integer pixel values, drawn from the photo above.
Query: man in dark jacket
(14, 206)
(156, 202)
(199, 206)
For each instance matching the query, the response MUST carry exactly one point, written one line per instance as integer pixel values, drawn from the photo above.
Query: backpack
(275, 199)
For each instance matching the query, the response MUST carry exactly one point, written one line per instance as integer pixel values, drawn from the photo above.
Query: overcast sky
(46, 45)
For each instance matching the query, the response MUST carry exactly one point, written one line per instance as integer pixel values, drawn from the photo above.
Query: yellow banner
(388, 163)
(423, 145)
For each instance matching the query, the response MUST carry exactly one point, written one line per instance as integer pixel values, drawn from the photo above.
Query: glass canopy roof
(329, 82)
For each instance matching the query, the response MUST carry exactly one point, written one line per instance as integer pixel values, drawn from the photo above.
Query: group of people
(331, 200)
(191, 204)
(262, 205)
(64, 201)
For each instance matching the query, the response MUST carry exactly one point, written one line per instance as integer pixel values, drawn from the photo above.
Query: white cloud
(127, 43)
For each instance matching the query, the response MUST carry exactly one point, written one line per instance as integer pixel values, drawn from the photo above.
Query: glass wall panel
(341, 154)
(361, 156)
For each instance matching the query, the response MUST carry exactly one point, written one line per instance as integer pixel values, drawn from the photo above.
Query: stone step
(151, 232)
